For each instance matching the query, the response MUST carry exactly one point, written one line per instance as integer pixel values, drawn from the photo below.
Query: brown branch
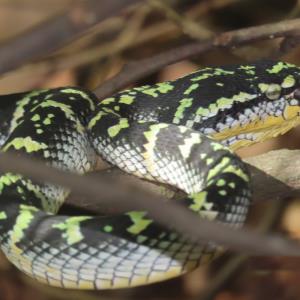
(185, 23)
(274, 263)
(137, 69)
(279, 169)
(58, 31)
(235, 262)
(186, 223)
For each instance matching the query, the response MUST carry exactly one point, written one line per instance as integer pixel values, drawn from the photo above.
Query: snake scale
(180, 132)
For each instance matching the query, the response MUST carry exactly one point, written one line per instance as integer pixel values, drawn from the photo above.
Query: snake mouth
(257, 129)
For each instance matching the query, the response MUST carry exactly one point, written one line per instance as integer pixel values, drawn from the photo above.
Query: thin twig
(137, 69)
(279, 169)
(58, 31)
(186, 223)
(275, 263)
(125, 38)
(236, 262)
(187, 25)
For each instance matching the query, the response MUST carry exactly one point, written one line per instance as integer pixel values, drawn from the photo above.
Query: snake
(181, 133)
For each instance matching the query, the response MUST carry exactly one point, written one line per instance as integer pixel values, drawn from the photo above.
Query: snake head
(278, 85)
(273, 109)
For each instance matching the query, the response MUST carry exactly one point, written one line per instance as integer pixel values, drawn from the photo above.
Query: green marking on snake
(126, 99)
(47, 121)
(240, 97)
(20, 190)
(108, 101)
(251, 72)
(114, 130)
(3, 215)
(164, 244)
(223, 103)
(184, 103)
(153, 131)
(36, 118)
(22, 223)
(27, 143)
(212, 73)
(159, 88)
(248, 69)
(198, 201)
(218, 146)
(71, 229)
(69, 113)
(139, 222)
(138, 89)
(232, 185)
(8, 179)
(209, 161)
(65, 108)
(203, 156)
(163, 133)
(21, 109)
(82, 94)
(96, 119)
(108, 228)
(189, 142)
(141, 238)
(239, 172)
(202, 112)
(278, 67)
(191, 88)
(183, 129)
(288, 82)
(263, 87)
(213, 172)
(151, 137)
(221, 182)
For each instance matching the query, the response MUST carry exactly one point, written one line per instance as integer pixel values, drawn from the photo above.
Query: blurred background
(138, 32)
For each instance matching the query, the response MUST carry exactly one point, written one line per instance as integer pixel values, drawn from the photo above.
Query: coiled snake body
(173, 132)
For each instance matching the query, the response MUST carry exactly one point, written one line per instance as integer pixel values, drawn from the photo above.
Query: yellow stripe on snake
(177, 133)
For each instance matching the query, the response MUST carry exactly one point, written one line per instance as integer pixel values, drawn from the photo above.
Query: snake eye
(296, 94)
(273, 91)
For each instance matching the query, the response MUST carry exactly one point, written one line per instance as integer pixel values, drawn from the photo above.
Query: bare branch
(279, 170)
(274, 263)
(186, 24)
(235, 262)
(186, 223)
(137, 69)
(58, 31)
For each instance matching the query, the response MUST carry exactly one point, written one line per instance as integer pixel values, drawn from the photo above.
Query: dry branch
(236, 38)
(132, 197)
(275, 174)
(274, 263)
(279, 169)
(58, 31)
